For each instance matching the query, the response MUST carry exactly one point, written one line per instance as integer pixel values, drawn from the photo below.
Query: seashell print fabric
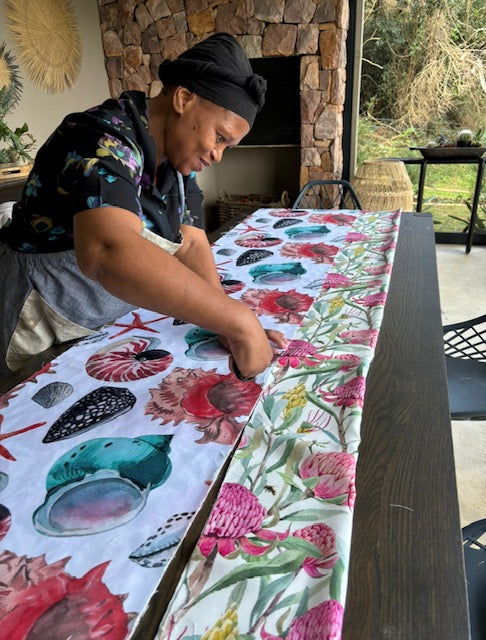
(109, 450)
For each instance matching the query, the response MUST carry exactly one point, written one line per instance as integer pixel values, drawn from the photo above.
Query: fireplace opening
(278, 123)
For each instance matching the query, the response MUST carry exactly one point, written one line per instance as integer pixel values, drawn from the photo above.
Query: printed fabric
(109, 451)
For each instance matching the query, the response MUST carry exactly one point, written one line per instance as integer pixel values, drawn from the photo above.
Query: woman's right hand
(253, 352)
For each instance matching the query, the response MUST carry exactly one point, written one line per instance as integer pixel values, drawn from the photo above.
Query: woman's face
(200, 132)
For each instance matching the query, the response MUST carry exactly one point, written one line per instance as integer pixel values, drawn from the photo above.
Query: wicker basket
(233, 206)
(383, 185)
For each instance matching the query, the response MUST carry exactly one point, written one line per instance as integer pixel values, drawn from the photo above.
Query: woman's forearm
(196, 254)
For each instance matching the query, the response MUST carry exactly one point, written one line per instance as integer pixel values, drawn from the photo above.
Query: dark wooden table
(406, 579)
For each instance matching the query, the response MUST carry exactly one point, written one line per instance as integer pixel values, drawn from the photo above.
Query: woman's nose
(216, 155)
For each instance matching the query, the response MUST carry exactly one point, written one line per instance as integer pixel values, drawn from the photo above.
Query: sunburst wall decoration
(46, 36)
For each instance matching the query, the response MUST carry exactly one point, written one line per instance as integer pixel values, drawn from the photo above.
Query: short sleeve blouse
(102, 157)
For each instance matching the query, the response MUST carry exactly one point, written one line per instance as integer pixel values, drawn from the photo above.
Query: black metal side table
(451, 159)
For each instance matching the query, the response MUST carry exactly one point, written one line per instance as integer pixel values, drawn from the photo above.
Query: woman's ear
(182, 98)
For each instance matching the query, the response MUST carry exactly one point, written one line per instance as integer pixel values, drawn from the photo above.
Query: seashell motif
(251, 256)
(307, 233)
(102, 484)
(315, 284)
(204, 345)
(95, 408)
(52, 394)
(232, 286)
(3, 480)
(226, 252)
(157, 549)
(277, 273)
(262, 220)
(257, 240)
(129, 359)
(5, 521)
(285, 222)
(177, 322)
(284, 213)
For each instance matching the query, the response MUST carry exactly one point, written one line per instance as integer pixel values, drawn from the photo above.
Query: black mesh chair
(465, 355)
(475, 565)
(327, 194)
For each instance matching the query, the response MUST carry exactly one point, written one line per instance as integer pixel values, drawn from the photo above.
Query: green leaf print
(268, 593)
(285, 562)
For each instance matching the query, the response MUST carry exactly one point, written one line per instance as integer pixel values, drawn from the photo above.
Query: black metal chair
(475, 565)
(465, 355)
(327, 194)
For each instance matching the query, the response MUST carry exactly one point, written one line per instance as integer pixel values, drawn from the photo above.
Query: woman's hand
(245, 357)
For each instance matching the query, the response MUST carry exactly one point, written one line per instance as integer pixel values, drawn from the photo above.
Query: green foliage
(448, 189)
(15, 144)
(423, 61)
(18, 143)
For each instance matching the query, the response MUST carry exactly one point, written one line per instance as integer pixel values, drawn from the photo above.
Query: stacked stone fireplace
(139, 34)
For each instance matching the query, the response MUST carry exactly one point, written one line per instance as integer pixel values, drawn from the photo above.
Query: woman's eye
(221, 139)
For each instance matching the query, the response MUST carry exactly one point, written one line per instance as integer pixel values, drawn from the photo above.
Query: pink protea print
(236, 514)
(355, 236)
(285, 306)
(347, 394)
(384, 248)
(43, 601)
(207, 399)
(324, 538)
(339, 219)
(372, 300)
(320, 252)
(336, 280)
(300, 353)
(323, 622)
(350, 361)
(379, 269)
(360, 336)
(336, 473)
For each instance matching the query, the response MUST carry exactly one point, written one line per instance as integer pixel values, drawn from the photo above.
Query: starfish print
(137, 323)
(220, 265)
(5, 453)
(250, 228)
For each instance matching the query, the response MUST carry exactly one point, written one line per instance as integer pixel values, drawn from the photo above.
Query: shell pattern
(257, 240)
(102, 484)
(95, 408)
(52, 393)
(156, 550)
(251, 256)
(285, 222)
(130, 359)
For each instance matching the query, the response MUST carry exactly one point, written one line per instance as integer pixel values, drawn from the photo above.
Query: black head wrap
(218, 70)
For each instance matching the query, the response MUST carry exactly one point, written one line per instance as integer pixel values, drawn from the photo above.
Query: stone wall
(139, 34)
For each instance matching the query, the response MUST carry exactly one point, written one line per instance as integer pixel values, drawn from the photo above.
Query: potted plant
(15, 144)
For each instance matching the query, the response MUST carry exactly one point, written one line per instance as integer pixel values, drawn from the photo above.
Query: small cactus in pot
(464, 138)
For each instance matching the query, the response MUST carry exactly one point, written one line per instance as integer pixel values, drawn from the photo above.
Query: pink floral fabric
(273, 557)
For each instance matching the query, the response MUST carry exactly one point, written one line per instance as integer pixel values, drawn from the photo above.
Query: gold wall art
(47, 40)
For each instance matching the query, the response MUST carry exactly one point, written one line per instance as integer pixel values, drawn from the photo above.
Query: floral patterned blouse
(102, 157)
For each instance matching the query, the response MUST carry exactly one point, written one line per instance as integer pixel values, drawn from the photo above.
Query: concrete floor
(462, 285)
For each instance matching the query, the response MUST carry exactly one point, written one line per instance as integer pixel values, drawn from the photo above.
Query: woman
(103, 225)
